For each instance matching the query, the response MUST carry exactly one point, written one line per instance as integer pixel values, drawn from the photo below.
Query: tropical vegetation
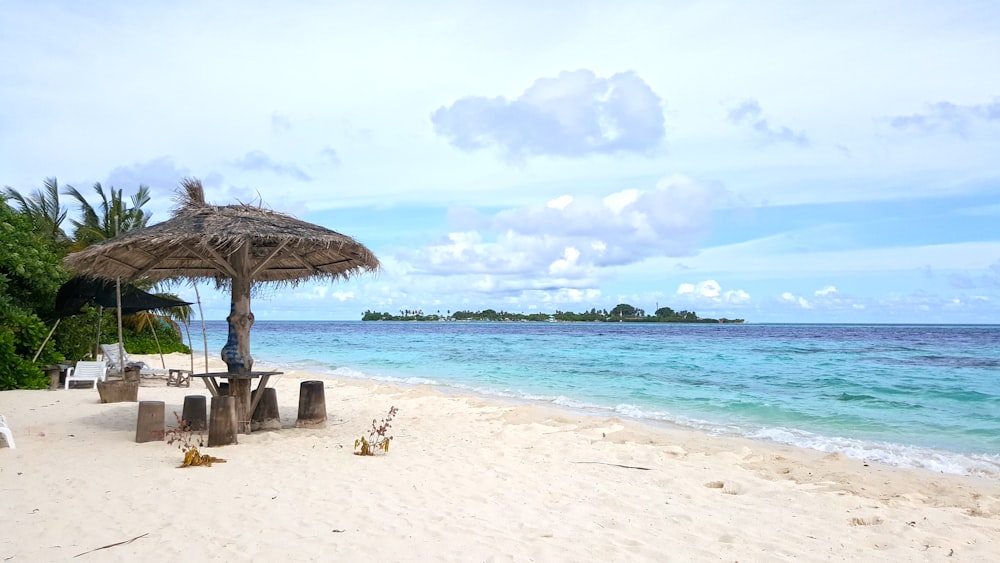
(623, 312)
(33, 243)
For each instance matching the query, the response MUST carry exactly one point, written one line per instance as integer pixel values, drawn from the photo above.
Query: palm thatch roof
(200, 240)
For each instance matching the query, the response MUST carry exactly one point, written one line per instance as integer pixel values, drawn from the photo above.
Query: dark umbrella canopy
(80, 291)
(234, 245)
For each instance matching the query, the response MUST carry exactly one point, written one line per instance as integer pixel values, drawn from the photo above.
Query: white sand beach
(466, 479)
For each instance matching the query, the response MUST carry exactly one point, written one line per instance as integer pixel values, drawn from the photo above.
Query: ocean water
(905, 395)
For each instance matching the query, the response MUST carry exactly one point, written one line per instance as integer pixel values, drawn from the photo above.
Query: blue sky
(773, 161)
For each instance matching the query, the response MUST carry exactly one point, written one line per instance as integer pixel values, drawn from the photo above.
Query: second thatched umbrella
(237, 246)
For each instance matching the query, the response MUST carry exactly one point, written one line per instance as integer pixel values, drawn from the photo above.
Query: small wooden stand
(312, 405)
(222, 424)
(179, 378)
(149, 425)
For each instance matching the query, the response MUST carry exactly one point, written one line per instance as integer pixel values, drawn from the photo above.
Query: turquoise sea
(905, 395)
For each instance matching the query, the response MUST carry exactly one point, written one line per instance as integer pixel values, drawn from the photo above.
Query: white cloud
(750, 113)
(828, 290)
(575, 237)
(574, 114)
(788, 297)
(709, 292)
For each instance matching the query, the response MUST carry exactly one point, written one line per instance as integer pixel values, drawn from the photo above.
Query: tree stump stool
(195, 414)
(265, 416)
(312, 405)
(222, 424)
(149, 425)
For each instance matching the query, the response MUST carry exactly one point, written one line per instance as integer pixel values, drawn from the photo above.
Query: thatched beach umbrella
(237, 246)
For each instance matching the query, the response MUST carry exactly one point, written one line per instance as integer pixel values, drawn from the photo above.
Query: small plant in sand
(188, 442)
(377, 440)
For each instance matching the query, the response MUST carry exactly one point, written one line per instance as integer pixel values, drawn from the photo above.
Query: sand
(465, 479)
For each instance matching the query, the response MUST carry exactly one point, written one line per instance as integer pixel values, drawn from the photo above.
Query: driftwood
(111, 545)
(616, 465)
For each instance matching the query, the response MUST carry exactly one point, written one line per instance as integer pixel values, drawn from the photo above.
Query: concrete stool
(266, 416)
(149, 425)
(222, 424)
(195, 414)
(312, 405)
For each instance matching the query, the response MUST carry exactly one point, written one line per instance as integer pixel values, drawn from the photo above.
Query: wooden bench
(179, 378)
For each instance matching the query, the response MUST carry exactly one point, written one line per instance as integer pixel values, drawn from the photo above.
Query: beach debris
(188, 441)
(193, 457)
(616, 465)
(377, 440)
(112, 545)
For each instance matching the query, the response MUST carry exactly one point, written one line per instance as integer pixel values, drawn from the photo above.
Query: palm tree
(111, 218)
(44, 210)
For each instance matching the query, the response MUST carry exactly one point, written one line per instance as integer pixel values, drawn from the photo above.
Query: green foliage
(42, 207)
(21, 333)
(140, 339)
(376, 440)
(30, 275)
(621, 313)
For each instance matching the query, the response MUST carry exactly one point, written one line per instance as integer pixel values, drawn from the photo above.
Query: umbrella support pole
(239, 389)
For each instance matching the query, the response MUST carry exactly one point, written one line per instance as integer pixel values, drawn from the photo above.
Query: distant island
(622, 312)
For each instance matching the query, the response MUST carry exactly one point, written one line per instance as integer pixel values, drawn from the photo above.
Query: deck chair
(87, 371)
(6, 433)
(110, 353)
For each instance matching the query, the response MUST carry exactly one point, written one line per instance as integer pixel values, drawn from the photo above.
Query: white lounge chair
(87, 371)
(5, 430)
(110, 353)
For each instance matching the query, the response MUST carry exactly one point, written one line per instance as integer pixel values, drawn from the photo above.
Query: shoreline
(466, 477)
(972, 464)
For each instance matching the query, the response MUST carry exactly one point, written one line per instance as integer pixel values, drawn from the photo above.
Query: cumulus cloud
(574, 114)
(792, 299)
(709, 292)
(162, 175)
(280, 123)
(948, 117)
(750, 113)
(827, 298)
(828, 290)
(625, 226)
(330, 155)
(569, 239)
(258, 160)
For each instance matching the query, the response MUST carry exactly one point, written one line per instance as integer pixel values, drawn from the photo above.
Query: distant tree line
(622, 312)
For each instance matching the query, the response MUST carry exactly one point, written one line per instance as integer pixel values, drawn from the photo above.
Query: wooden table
(244, 405)
(57, 373)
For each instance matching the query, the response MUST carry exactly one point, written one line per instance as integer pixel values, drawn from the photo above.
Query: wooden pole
(236, 352)
(46, 341)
